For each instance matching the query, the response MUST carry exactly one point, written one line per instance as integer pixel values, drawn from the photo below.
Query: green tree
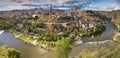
(12, 53)
(63, 47)
(114, 55)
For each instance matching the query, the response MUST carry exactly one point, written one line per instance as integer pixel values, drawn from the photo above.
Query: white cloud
(103, 7)
(17, 4)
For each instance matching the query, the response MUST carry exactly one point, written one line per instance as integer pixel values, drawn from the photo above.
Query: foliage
(9, 53)
(114, 55)
(5, 26)
(12, 53)
(63, 48)
(112, 50)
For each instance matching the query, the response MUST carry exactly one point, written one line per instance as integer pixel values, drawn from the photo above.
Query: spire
(50, 7)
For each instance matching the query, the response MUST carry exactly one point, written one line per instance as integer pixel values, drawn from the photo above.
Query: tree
(63, 47)
(12, 53)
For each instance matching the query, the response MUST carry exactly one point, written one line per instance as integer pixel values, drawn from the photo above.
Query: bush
(12, 53)
(63, 48)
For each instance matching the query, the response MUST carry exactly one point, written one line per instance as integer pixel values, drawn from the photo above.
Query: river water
(30, 51)
(92, 43)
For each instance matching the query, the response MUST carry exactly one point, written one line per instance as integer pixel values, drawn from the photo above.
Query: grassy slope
(112, 50)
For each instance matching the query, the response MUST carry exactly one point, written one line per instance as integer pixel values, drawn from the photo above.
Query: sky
(6, 5)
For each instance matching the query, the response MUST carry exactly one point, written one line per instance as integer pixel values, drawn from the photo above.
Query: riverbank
(33, 35)
(9, 52)
(44, 45)
(28, 39)
(95, 43)
(48, 40)
(26, 48)
(6, 52)
(46, 29)
(105, 50)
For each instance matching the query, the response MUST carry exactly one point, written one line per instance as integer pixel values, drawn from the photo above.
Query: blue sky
(6, 5)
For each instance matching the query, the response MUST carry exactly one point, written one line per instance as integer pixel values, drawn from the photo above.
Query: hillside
(49, 26)
(112, 49)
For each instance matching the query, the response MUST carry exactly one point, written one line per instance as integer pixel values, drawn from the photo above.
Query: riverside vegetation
(54, 29)
(9, 52)
(112, 50)
(48, 28)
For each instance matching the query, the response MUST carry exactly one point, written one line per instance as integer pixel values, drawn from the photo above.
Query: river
(30, 51)
(91, 43)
